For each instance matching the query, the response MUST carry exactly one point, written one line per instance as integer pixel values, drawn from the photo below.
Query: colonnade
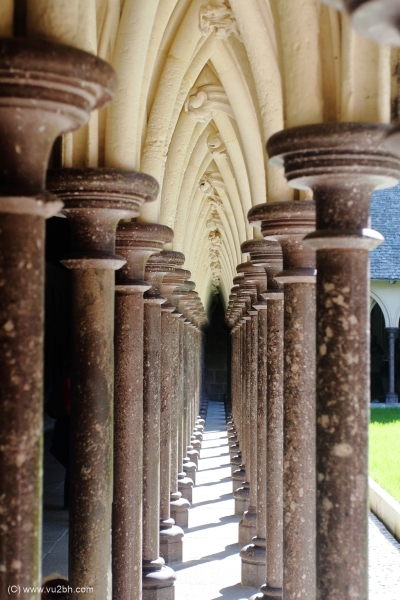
(299, 313)
(304, 462)
(135, 425)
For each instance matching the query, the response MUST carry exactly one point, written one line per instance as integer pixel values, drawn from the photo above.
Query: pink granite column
(94, 201)
(189, 466)
(270, 420)
(248, 525)
(288, 222)
(317, 156)
(179, 506)
(136, 242)
(235, 449)
(238, 461)
(255, 570)
(242, 494)
(32, 115)
(170, 534)
(158, 580)
(185, 483)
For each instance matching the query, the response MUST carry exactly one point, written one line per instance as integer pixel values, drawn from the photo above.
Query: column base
(190, 469)
(242, 498)
(179, 509)
(236, 462)
(238, 477)
(185, 486)
(392, 399)
(271, 592)
(158, 583)
(248, 527)
(253, 565)
(196, 443)
(171, 544)
(193, 456)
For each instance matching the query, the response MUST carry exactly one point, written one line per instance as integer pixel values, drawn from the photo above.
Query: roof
(385, 218)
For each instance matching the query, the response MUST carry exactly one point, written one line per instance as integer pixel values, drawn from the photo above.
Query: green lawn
(384, 449)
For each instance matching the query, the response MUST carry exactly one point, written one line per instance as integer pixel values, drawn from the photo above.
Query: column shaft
(128, 446)
(299, 442)
(275, 356)
(151, 430)
(91, 422)
(21, 422)
(392, 397)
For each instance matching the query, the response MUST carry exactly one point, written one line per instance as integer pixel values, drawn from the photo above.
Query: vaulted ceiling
(202, 86)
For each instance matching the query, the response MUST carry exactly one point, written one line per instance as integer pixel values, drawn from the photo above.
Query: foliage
(384, 449)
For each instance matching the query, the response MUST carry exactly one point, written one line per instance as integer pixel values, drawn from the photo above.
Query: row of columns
(134, 441)
(305, 456)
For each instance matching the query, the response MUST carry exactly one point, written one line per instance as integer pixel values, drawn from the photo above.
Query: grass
(384, 449)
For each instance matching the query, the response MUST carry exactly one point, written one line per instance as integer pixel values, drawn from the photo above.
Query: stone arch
(378, 301)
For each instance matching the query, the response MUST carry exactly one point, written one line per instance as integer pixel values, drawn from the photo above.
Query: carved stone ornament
(216, 145)
(204, 101)
(215, 239)
(217, 16)
(208, 184)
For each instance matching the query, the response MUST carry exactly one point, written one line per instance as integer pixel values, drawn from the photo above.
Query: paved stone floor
(211, 563)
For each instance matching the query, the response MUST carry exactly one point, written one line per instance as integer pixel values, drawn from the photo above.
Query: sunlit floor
(211, 567)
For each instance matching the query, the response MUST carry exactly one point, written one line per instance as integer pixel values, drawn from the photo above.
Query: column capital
(157, 267)
(95, 200)
(392, 330)
(343, 163)
(173, 280)
(45, 89)
(136, 242)
(266, 254)
(288, 222)
(253, 280)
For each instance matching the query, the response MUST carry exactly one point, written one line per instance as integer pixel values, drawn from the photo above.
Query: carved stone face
(218, 17)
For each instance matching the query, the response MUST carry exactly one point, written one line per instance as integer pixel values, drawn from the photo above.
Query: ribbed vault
(202, 86)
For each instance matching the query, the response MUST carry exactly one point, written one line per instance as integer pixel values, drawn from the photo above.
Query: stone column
(94, 201)
(136, 242)
(31, 117)
(158, 580)
(238, 460)
(268, 255)
(235, 440)
(185, 483)
(179, 506)
(242, 494)
(392, 397)
(316, 156)
(170, 534)
(288, 222)
(248, 525)
(190, 455)
(270, 531)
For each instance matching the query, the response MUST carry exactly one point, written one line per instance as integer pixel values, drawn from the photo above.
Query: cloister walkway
(211, 564)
